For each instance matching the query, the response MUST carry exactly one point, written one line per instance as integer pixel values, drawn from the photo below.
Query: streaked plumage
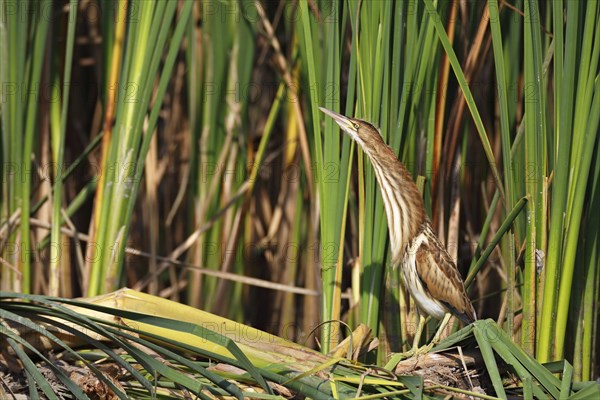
(428, 261)
(428, 271)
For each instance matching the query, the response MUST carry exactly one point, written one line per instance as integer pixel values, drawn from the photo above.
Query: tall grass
(128, 149)
(332, 157)
(528, 169)
(221, 185)
(22, 54)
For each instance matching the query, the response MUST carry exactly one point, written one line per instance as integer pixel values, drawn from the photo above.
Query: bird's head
(365, 134)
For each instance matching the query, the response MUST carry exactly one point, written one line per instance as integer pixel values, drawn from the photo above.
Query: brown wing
(441, 278)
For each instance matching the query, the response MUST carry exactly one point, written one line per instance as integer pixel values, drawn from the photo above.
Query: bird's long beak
(344, 122)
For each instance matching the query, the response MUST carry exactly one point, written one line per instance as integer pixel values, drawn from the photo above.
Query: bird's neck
(403, 202)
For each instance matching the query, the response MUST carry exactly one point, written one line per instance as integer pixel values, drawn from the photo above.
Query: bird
(429, 273)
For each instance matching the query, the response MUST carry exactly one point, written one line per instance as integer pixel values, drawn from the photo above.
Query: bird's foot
(425, 349)
(407, 354)
(416, 351)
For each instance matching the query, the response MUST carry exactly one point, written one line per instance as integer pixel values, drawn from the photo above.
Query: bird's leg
(438, 334)
(418, 333)
(415, 346)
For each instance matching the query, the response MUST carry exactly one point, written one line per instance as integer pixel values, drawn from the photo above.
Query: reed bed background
(177, 148)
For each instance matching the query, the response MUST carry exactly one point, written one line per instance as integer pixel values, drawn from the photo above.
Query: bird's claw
(407, 354)
(413, 353)
(417, 351)
(425, 349)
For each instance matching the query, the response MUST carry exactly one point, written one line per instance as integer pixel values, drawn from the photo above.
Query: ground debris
(15, 386)
(448, 369)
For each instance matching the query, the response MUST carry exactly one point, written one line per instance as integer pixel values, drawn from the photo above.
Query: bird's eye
(356, 126)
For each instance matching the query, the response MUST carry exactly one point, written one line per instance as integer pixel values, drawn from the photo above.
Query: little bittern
(428, 271)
